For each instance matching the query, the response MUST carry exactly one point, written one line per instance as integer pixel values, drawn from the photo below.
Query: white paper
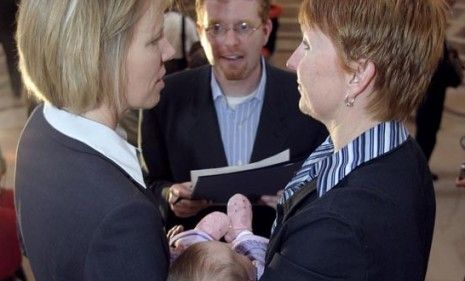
(281, 157)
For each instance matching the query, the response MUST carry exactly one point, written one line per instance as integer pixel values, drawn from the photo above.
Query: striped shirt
(330, 168)
(238, 124)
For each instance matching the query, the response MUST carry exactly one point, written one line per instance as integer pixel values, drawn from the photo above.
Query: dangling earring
(349, 101)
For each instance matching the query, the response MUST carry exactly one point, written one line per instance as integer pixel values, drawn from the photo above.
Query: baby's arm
(252, 246)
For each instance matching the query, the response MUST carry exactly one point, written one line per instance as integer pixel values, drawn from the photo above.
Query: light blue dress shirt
(238, 124)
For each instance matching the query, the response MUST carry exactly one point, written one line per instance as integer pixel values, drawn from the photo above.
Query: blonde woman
(84, 212)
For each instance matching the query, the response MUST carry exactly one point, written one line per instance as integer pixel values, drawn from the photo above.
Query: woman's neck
(345, 131)
(104, 115)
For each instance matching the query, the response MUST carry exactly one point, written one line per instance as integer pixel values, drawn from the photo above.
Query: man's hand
(270, 200)
(179, 198)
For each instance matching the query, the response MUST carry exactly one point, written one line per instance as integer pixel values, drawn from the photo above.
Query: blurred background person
(84, 212)
(180, 30)
(8, 10)
(429, 113)
(460, 181)
(270, 46)
(197, 56)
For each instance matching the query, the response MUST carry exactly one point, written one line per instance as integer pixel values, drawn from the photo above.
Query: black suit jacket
(376, 224)
(182, 132)
(80, 215)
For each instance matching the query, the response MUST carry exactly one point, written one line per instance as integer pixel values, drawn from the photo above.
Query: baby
(198, 254)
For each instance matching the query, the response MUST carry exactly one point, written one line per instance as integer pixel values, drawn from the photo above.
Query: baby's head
(211, 261)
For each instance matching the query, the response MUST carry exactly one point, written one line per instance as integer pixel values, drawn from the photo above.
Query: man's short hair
(263, 12)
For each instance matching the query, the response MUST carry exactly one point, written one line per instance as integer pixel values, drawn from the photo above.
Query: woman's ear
(362, 78)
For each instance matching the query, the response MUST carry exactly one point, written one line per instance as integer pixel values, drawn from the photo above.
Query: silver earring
(349, 101)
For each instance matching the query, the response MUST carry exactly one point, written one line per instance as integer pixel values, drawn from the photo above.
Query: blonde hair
(72, 52)
(196, 264)
(403, 38)
(263, 12)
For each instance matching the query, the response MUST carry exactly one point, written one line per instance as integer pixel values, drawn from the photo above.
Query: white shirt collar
(98, 136)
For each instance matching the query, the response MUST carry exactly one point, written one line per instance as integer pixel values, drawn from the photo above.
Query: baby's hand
(174, 230)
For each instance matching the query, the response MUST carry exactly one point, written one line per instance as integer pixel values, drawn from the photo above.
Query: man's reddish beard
(234, 73)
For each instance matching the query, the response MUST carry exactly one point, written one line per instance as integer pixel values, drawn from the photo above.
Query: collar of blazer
(304, 195)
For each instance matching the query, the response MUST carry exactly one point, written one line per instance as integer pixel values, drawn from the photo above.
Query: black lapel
(305, 195)
(152, 196)
(272, 129)
(204, 129)
(309, 190)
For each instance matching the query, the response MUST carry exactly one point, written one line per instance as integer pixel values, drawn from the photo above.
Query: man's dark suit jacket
(81, 216)
(182, 133)
(375, 225)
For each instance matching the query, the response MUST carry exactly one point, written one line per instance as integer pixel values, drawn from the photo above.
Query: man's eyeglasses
(241, 29)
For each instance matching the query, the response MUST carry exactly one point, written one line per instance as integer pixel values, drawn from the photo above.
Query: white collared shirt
(99, 137)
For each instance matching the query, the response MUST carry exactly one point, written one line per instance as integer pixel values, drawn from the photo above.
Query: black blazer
(81, 217)
(182, 132)
(376, 224)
